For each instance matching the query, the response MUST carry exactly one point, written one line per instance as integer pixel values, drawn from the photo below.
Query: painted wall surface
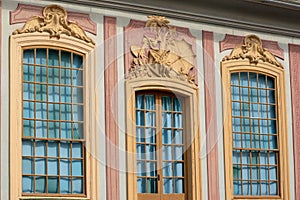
(210, 47)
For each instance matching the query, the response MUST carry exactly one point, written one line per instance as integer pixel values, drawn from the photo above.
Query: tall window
(53, 158)
(160, 160)
(255, 153)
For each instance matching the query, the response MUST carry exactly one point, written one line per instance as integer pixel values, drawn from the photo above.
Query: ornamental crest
(252, 49)
(54, 22)
(161, 54)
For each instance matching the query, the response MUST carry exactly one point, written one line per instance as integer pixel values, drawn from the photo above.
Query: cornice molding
(184, 15)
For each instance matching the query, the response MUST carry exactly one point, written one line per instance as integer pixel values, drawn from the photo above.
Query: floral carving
(161, 54)
(252, 49)
(54, 22)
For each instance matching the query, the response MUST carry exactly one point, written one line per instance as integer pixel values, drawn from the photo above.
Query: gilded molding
(162, 55)
(252, 49)
(54, 22)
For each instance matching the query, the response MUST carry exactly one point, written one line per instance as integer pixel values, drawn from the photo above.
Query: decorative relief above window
(162, 54)
(252, 49)
(54, 22)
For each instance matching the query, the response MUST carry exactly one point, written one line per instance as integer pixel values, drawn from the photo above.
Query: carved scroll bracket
(54, 22)
(253, 51)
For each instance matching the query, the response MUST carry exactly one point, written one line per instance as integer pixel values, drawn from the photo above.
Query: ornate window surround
(62, 40)
(251, 57)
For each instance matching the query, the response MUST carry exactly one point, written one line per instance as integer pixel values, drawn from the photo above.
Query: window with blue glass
(160, 158)
(255, 156)
(53, 158)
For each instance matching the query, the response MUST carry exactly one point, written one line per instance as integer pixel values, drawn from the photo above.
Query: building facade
(153, 100)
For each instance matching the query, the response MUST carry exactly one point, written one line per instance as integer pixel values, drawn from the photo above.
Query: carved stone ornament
(252, 49)
(162, 55)
(54, 22)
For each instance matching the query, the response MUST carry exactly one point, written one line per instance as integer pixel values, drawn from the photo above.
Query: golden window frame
(265, 68)
(189, 93)
(36, 40)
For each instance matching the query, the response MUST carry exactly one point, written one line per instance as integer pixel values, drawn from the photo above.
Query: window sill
(53, 198)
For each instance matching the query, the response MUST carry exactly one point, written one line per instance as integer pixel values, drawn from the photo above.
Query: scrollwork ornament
(54, 22)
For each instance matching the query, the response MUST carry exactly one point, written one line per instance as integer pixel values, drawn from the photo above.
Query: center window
(160, 160)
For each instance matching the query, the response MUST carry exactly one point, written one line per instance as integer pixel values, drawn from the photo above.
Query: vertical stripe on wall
(211, 123)
(111, 112)
(294, 54)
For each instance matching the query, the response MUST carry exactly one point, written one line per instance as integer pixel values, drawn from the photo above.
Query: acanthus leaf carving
(253, 51)
(162, 54)
(54, 22)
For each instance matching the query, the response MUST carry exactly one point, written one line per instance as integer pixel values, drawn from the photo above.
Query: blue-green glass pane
(273, 142)
(235, 93)
(262, 94)
(272, 158)
(264, 141)
(64, 167)
(27, 148)
(41, 56)
(236, 109)
(254, 108)
(272, 124)
(66, 112)
(272, 111)
(139, 102)
(271, 96)
(77, 186)
(66, 130)
(237, 188)
(150, 135)
(140, 168)
(236, 124)
(52, 149)
(245, 125)
(27, 166)
(236, 157)
(178, 138)
(263, 158)
(53, 111)
(150, 152)
(41, 92)
(264, 188)
(53, 58)
(178, 169)
(65, 94)
(65, 59)
(264, 173)
(77, 61)
(167, 119)
(53, 93)
(41, 129)
(167, 152)
(255, 173)
(263, 126)
(40, 148)
(150, 118)
(254, 126)
(245, 157)
(152, 185)
(28, 56)
(234, 79)
(53, 129)
(28, 128)
(40, 184)
(253, 95)
(262, 81)
(140, 135)
(28, 109)
(244, 79)
(77, 168)
(150, 102)
(168, 185)
(140, 119)
(41, 110)
(236, 172)
(166, 103)
(40, 166)
(177, 120)
(65, 185)
(28, 91)
(65, 150)
(141, 185)
(167, 169)
(246, 188)
(65, 76)
(237, 140)
(77, 112)
(52, 184)
(274, 188)
(255, 141)
(76, 150)
(177, 105)
(77, 77)
(140, 151)
(178, 153)
(244, 94)
(27, 184)
(28, 73)
(273, 173)
(255, 188)
(53, 75)
(245, 109)
(253, 79)
(52, 166)
(41, 74)
(151, 169)
(271, 83)
(78, 130)
(77, 96)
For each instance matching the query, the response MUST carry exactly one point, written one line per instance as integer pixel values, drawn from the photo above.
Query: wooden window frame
(232, 66)
(36, 40)
(189, 93)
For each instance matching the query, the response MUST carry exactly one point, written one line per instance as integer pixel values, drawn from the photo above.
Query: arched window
(51, 124)
(254, 123)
